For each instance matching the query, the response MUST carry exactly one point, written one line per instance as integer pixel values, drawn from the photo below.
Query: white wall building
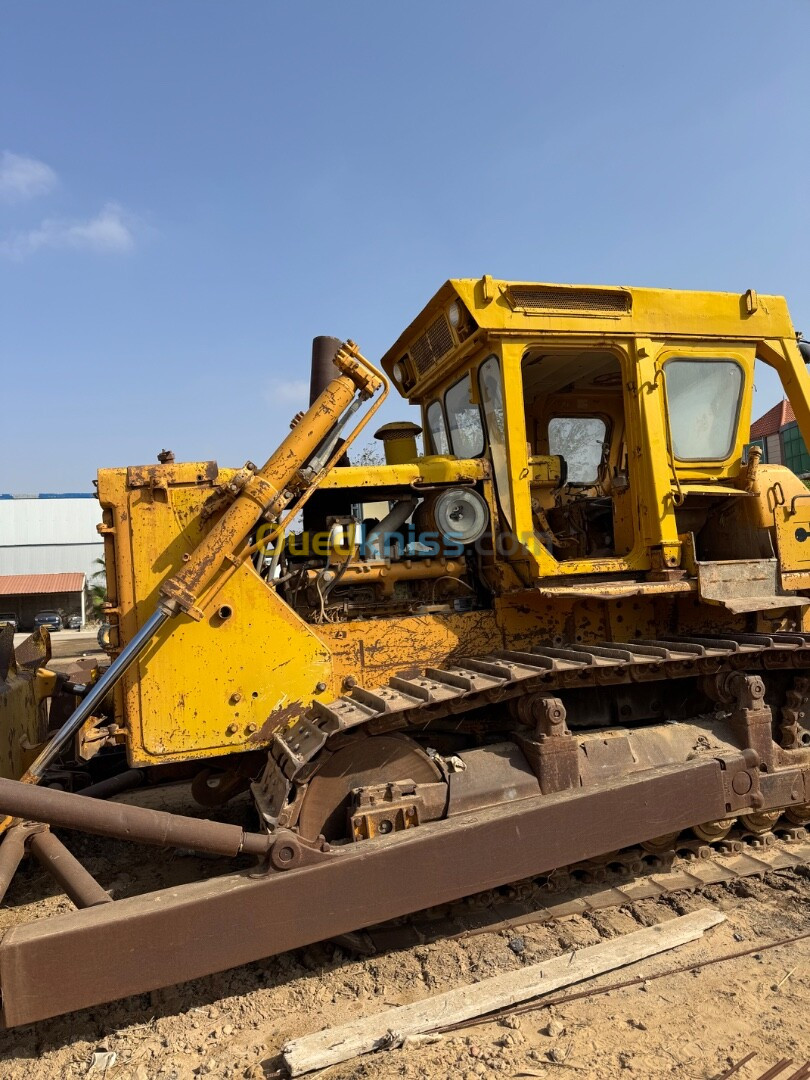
(49, 534)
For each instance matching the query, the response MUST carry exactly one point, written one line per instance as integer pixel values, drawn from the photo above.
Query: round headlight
(398, 373)
(461, 515)
(454, 314)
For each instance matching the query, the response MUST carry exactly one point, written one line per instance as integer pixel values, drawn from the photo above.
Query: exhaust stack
(323, 370)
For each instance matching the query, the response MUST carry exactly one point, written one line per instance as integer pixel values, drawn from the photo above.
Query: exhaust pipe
(323, 370)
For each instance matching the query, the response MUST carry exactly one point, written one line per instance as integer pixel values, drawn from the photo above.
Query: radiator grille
(435, 343)
(573, 301)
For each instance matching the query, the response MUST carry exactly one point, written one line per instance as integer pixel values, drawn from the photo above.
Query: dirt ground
(690, 1026)
(687, 1025)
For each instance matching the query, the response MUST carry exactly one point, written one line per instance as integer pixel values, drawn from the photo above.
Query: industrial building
(50, 534)
(49, 550)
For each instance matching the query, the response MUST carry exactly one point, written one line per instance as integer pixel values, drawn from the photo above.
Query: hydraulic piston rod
(261, 492)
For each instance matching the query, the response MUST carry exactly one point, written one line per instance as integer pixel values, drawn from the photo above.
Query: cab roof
(465, 310)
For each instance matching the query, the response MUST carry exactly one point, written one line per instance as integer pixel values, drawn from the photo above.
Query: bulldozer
(578, 621)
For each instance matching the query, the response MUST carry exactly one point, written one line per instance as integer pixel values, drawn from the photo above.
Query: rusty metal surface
(6, 649)
(776, 1070)
(572, 892)
(243, 917)
(78, 884)
(742, 585)
(12, 849)
(736, 1068)
(124, 822)
(115, 785)
(476, 681)
(35, 651)
(325, 805)
(498, 773)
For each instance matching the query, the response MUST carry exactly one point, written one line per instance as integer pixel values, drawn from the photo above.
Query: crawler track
(411, 700)
(628, 876)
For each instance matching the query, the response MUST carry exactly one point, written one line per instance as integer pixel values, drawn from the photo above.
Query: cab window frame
(735, 425)
(445, 428)
(498, 447)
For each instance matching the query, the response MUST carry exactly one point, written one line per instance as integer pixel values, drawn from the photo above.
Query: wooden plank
(329, 1047)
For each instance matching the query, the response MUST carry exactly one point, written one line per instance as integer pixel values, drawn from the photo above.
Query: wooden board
(324, 1048)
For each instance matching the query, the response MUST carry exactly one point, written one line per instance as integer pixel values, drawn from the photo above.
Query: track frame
(130, 946)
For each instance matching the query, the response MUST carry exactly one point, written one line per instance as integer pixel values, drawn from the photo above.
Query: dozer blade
(129, 946)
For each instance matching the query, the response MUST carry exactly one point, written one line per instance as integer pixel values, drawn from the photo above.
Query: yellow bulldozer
(577, 622)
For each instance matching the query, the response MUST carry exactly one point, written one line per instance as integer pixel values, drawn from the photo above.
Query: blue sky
(191, 190)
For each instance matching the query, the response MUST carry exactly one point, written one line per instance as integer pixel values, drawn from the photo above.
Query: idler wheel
(379, 759)
(712, 831)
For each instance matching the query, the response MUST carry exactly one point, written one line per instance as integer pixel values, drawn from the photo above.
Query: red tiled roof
(34, 584)
(773, 420)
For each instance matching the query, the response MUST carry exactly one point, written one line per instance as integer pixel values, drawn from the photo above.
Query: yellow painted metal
(267, 491)
(421, 473)
(224, 684)
(643, 328)
(23, 714)
(784, 504)
(202, 688)
(654, 313)
(385, 575)
(399, 442)
(226, 681)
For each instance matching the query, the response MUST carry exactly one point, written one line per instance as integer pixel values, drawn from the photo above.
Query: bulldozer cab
(614, 420)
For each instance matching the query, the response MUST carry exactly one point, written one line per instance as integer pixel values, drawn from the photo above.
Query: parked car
(8, 618)
(51, 620)
(74, 622)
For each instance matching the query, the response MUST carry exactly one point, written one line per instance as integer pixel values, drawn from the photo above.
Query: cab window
(436, 429)
(489, 384)
(703, 400)
(580, 440)
(464, 418)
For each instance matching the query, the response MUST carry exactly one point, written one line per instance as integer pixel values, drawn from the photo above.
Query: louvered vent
(435, 343)
(537, 298)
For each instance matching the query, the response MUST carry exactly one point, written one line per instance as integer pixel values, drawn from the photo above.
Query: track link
(465, 684)
(628, 876)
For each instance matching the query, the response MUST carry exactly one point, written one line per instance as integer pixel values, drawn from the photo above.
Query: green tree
(97, 588)
(370, 454)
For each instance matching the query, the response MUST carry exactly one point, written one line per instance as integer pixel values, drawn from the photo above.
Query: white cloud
(109, 232)
(24, 177)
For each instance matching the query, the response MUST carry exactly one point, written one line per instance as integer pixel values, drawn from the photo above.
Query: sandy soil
(694, 1024)
(688, 1025)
